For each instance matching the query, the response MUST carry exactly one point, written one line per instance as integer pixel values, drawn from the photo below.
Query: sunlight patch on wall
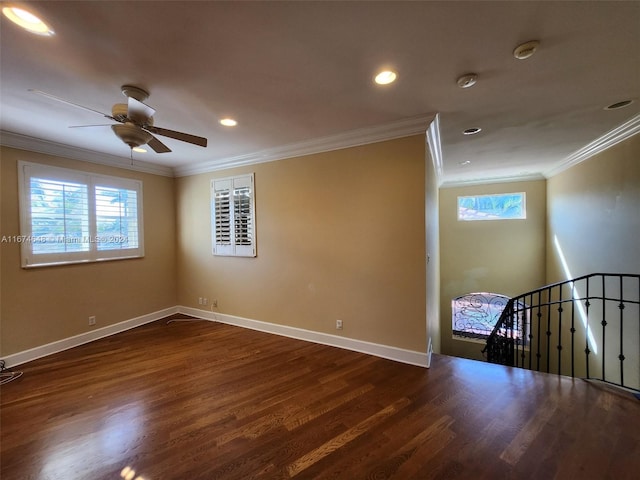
(576, 296)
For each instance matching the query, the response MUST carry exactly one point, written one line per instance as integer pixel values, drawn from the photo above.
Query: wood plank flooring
(203, 400)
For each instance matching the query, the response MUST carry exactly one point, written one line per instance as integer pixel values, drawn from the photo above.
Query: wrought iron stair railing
(588, 327)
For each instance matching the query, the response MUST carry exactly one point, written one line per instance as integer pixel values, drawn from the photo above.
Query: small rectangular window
(233, 216)
(68, 216)
(503, 206)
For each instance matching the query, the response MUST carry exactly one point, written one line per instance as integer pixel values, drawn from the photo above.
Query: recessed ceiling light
(526, 50)
(27, 20)
(386, 77)
(465, 163)
(472, 131)
(228, 122)
(467, 80)
(139, 150)
(622, 104)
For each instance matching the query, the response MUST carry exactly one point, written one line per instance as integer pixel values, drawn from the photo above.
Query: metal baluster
(586, 350)
(548, 332)
(530, 331)
(560, 330)
(539, 315)
(514, 327)
(522, 312)
(604, 326)
(621, 356)
(573, 331)
(512, 341)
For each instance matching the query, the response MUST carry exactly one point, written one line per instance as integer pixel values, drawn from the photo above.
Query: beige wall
(340, 235)
(594, 227)
(498, 256)
(43, 305)
(594, 211)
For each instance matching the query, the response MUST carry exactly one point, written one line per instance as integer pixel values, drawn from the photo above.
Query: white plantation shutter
(116, 218)
(59, 216)
(222, 220)
(233, 216)
(67, 216)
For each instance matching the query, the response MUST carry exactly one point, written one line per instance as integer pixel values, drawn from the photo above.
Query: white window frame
(480, 215)
(233, 229)
(29, 258)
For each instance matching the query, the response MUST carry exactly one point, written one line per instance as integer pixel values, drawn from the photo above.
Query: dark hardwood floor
(202, 400)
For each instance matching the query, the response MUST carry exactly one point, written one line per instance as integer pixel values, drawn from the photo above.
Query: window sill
(82, 261)
(480, 341)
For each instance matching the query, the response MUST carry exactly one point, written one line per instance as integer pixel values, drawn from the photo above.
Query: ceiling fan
(135, 121)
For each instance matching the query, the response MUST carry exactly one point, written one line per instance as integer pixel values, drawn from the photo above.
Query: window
(68, 216)
(492, 207)
(233, 216)
(475, 315)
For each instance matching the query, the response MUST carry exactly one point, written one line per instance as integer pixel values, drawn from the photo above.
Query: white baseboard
(65, 344)
(429, 353)
(402, 355)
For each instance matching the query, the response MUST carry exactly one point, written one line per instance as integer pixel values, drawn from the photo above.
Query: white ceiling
(295, 72)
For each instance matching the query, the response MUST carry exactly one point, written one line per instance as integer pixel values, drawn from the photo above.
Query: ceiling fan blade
(62, 100)
(184, 137)
(158, 146)
(86, 126)
(137, 109)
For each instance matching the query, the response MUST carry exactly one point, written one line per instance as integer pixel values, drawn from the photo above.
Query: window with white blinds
(233, 216)
(68, 216)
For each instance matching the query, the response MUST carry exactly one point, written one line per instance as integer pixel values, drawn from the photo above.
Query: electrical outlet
(199, 300)
(214, 302)
(338, 324)
(92, 320)
(205, 301)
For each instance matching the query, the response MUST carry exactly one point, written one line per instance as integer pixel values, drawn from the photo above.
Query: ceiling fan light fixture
(385, 77)
(139, 150)
(526, 50)
(131, 134)
(27, 21)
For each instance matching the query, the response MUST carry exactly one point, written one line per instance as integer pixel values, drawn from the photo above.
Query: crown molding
(608, 140)
(429, 123)
(23, 142)
(491, 180)
(353, 138)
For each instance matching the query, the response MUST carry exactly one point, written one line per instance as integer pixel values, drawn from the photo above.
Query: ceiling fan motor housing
(121, 112)
(135, 92)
